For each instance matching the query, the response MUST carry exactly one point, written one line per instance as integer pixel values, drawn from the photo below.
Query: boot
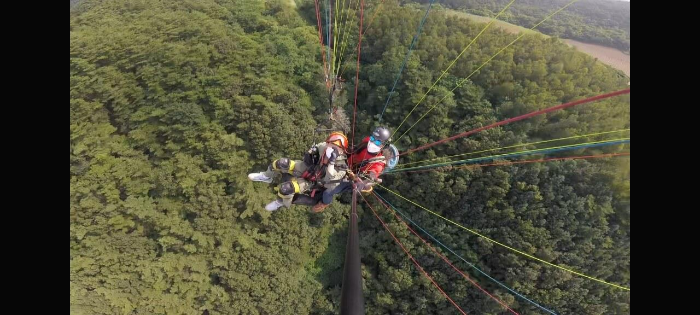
(319, 207)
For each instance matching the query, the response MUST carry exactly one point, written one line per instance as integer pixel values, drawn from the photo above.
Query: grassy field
(606, 55)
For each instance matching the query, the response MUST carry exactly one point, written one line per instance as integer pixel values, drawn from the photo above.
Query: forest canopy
(172, 103)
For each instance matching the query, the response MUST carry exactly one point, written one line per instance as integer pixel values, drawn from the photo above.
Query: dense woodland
(174, 102)
(603, 22)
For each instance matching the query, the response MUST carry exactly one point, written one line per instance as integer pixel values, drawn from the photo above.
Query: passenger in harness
(367, 162)
(323, 167)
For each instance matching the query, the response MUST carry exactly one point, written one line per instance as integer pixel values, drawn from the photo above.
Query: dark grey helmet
(382, 134)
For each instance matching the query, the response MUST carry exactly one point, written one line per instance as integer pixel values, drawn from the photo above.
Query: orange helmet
(338, 138)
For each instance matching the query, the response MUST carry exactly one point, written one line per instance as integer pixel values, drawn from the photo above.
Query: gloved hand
(375, 178)
(364, 186)
(313, 149)
(351, 175)
(331, 154)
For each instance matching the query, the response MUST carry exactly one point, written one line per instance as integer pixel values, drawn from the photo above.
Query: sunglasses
(375, 140)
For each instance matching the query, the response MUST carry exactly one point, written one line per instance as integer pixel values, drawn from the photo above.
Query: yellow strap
(296, 186)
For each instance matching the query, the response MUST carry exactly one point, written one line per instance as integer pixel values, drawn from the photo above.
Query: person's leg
(283, 166)
(285, 193)
(328, 196)
(329, 193)
(291, 187)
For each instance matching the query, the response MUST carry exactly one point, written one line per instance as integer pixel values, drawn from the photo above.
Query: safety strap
(375, 160)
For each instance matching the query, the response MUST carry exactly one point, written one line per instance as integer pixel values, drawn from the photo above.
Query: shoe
(259, 177)
(319, 207)
(273, 206)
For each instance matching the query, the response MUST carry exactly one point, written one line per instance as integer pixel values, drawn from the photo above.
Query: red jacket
(368, 167)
